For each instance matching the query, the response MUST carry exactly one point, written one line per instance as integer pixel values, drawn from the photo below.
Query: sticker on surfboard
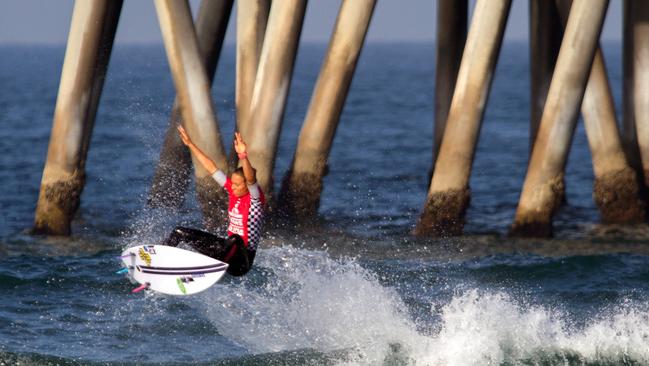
(171, 270)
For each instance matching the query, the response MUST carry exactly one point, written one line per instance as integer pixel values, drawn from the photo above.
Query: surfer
(245, 212)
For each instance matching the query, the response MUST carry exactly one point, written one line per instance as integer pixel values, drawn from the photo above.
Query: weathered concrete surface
(173, 173)
(538, 223)
(87, 54)
(617, 196)
(301, 189)
(541, 188)
(623, 203)
(58, 202)
(453, 166)
(448, 221)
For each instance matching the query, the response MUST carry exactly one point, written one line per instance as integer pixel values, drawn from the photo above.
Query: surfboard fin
(124, 270)
(126, 256)
(143, 287)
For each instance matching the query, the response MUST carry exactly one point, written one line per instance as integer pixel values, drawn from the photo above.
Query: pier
(568, 78)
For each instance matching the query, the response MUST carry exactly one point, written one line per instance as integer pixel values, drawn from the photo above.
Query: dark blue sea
(356, 289)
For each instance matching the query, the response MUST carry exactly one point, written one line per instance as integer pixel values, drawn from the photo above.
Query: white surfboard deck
(171, 270)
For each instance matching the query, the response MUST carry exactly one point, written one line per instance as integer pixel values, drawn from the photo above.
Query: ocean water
(356, 289)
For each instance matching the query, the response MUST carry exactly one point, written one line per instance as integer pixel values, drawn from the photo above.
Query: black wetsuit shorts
(231, 250)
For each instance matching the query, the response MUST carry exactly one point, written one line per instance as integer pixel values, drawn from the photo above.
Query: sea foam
(301, 299)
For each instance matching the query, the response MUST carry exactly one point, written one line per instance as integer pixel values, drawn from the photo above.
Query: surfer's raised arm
(205, 160)
(248, 171)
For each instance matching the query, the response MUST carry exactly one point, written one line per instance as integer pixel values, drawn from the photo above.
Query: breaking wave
(302, 299)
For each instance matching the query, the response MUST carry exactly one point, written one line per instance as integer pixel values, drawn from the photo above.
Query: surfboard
(171, 270)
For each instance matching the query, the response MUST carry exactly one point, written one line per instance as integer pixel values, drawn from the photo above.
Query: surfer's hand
(184, 136)
(239, 145)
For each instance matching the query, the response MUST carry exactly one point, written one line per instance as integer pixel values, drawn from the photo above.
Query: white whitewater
(309, 300)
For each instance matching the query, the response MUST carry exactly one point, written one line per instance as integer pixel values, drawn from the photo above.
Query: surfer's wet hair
(238, 171)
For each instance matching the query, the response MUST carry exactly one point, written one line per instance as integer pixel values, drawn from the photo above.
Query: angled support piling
(302, 186)
(546, 31)
(193, 93)
(542, 189)
(252, 18)
(272, 85)
(451, 35)
(172, 175)
(88, 50)
(616, 188)
(449, 194)
(636, 84)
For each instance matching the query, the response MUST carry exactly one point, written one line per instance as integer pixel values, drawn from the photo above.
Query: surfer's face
(239, 186)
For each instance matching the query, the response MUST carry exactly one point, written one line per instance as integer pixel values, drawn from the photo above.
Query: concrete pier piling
(546, 31)
(88, 50)
(452, 18)
(567, 70)
(543, 185)
(252, 19)
(636, 82)
(449, 194)
(272, 86)
(629, 137)
(193, 95)
(302, 186)
(615, 190)
(173, 172)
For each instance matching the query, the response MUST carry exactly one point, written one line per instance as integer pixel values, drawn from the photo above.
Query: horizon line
(232, 43)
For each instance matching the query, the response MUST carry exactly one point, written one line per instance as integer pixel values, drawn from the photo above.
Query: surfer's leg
(197, 239)
(205, 243)
(231, 250)
(208, 244)
(239, 257)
